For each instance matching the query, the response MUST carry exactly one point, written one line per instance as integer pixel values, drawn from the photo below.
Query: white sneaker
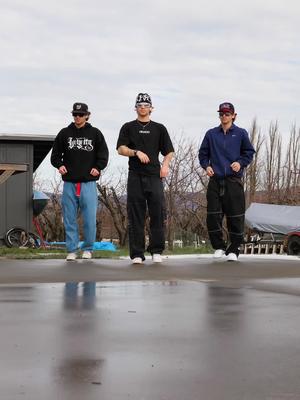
(87, 255)
(71, 257)
(232, 257)
(156, 258)
(137, 260)
(219, 253)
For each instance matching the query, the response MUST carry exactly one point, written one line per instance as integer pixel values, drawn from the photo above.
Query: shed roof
(42, 144)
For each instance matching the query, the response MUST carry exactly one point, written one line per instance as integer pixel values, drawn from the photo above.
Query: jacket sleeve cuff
(241, 162)
(204, 165)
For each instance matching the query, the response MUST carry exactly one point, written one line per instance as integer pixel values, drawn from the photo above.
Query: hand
(236, 166)
(209, 171)
(143, 157)
(164, 171)
(62, 170)
(94, 172)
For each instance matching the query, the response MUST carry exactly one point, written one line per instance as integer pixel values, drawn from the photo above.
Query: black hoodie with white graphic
(80, 150)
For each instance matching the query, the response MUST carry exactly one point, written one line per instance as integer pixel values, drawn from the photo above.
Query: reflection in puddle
(78, 371)
(77, 296)
(225, 307)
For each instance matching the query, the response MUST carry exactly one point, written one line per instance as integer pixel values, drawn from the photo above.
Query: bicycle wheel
(293, 245)
(34, 240)
(16, 237)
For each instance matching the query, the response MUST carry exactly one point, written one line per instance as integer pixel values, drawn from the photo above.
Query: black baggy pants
(225, 197)
(142, 192)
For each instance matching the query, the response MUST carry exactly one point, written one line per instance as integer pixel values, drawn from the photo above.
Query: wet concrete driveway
(189, 329)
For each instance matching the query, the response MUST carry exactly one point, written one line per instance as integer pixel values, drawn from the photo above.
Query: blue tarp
(40, 195)
(108, 246)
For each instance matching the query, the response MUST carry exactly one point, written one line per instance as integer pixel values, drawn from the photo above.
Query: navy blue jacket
(219, 150)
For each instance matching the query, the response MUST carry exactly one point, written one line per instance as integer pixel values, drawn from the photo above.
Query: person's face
(226, 117)
(79, 119)
(143, 109)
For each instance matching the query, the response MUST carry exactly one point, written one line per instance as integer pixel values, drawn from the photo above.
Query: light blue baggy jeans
(87, 203)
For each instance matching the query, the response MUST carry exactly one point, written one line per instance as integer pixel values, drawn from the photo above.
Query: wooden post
(7, 170)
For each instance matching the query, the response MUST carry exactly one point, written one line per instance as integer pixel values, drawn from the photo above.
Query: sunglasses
(78, 115)
(227, 114)
(146, 105)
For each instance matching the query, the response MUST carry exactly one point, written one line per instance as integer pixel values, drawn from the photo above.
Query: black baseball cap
(80, 108)
(143, 98)
(226, 107)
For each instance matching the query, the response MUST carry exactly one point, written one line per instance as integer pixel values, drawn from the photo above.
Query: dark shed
(24, 152)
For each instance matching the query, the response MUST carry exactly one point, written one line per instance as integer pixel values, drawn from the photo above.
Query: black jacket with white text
(80, 150)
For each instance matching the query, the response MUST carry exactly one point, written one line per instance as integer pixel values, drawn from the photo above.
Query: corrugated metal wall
(16, 192)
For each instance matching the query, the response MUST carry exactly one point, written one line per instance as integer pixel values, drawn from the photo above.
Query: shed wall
(16, 192)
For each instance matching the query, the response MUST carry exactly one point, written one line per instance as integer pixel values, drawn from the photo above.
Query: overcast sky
(188, 55)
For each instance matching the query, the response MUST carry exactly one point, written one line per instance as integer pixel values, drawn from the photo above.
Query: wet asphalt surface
(188, 329)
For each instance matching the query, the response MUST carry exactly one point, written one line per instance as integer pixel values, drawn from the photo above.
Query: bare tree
(272, 170)
(291, 169)
(113, 197)
(182, 190)
(50, 219)
(253, 172)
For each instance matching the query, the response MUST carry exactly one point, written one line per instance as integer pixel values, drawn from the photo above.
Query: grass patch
(27, 253)
(58, 253)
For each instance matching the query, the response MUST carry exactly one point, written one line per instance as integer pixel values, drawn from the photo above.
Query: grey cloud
(190, 56)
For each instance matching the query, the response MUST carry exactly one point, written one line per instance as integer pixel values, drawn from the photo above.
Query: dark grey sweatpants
(142, 192)
(225, 197)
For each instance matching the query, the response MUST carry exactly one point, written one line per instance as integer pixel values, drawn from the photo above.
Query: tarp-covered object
(273, 218)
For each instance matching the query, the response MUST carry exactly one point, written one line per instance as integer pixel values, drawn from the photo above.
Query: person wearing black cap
(224, 154)
(142, 140)
(80, 154)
